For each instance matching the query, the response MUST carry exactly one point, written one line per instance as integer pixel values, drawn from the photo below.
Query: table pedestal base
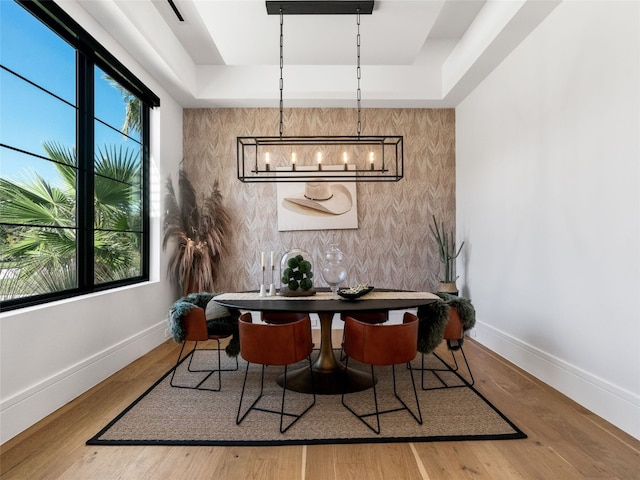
(327, 382)
(329, 375)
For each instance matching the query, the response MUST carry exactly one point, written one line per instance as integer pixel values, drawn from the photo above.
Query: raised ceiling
(413, 53)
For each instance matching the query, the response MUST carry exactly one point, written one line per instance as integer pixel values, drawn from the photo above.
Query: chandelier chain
(358, 74)
(281, 67)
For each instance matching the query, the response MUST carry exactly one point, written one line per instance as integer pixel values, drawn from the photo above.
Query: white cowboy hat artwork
(332, 199)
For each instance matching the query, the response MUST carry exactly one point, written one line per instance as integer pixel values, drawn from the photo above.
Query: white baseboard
(19, 412)
(618, 406)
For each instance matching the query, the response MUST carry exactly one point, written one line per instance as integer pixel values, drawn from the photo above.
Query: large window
(74, 174)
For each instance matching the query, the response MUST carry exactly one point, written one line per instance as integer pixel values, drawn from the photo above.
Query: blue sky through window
(29, 116)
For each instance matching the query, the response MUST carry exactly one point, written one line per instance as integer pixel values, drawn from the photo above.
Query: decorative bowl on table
(354, 293)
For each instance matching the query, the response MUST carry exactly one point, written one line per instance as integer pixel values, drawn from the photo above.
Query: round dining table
(330, 375)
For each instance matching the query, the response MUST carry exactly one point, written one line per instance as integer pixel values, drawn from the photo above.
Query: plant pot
(448, 287)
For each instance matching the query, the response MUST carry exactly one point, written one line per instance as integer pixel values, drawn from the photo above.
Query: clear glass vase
(296, 273)
(333, 271)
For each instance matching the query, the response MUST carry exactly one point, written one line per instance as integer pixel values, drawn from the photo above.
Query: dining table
(328, 375)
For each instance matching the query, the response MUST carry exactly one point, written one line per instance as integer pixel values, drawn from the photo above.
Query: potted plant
(448, 255)
(199, 228)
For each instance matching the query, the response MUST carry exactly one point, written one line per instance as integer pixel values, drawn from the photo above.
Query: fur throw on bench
(220, 321)
(433, 319)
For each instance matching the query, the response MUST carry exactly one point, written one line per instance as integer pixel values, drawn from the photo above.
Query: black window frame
(89, 53)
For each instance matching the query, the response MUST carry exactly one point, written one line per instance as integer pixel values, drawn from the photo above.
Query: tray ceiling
(226, 52)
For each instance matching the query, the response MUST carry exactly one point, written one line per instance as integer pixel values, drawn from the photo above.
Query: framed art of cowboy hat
(317, 205)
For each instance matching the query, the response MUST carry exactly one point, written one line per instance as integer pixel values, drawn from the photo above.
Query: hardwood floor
(565, 440)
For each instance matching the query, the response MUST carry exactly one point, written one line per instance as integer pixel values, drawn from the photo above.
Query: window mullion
(85, 194)
(146, 179)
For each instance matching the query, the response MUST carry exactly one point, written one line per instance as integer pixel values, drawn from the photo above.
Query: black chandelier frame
(390, 164)
(390, 146)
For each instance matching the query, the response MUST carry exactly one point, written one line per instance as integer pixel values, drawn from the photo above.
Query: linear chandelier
(323, 158)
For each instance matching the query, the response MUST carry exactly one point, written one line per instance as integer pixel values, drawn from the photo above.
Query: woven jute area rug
(165, 415)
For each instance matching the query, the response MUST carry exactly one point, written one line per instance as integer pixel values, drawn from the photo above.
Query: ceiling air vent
(175, 10)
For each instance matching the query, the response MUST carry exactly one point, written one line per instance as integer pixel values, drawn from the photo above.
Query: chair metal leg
(284, 389)
(281, 412)
(464, 357)
(448, 368)
(418, 417)
(209, 372)
(252, 407)
(173, 373)
(377, 411)
(375, 401)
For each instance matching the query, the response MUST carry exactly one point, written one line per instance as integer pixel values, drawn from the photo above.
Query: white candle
(262, 259)
(344, 157)
(293, 158)
(319, 157)
(371, 160)
(272, 260)
(267, 158)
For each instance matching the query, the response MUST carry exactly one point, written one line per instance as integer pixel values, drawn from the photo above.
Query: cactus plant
(448, 252)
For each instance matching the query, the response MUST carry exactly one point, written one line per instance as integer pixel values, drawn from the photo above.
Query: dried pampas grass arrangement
(199, 228)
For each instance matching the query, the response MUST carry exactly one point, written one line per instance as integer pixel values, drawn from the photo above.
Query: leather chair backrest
(376, 344)
(195, 325)
(281, 317)
(274, 344)
(454, 329)
(367, 316)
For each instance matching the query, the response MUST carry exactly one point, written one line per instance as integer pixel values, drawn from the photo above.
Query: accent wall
(392, 246)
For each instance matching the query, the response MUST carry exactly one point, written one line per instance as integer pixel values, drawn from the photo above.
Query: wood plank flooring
(565, 440)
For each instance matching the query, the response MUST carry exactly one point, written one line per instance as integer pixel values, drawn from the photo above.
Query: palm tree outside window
(74, 145)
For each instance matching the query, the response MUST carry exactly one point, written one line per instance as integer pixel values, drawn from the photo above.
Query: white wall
(51, 354)
(548, 202)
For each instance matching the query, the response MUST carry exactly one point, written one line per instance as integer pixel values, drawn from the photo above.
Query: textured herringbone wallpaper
(392, 247)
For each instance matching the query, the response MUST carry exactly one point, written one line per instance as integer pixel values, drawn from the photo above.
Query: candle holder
(262, 266)
(263, 291)
(272, 287)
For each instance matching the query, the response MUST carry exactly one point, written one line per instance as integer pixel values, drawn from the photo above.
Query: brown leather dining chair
(196, 330)
(452, 317)
(274, 345)
(454, 336)
(383, 345)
